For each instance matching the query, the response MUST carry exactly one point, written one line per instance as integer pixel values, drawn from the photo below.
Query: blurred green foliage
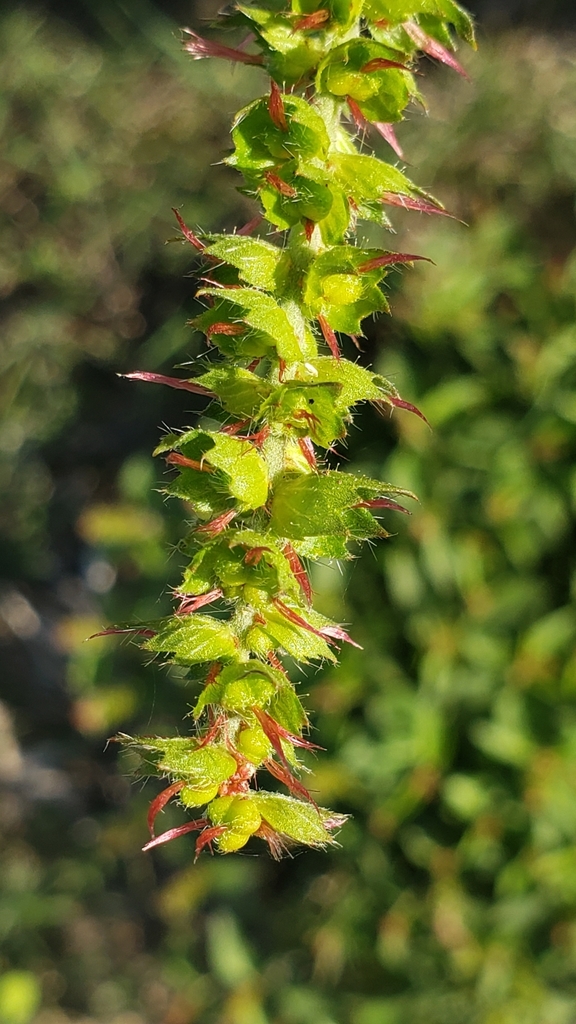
(452, 736)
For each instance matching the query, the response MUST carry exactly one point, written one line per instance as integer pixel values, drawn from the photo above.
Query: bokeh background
(451, 738)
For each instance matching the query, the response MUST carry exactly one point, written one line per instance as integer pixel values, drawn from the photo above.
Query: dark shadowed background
(451, 738)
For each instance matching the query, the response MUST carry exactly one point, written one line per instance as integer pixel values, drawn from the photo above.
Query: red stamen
(218, 524)
(309, 226)
(213, 674)
(312, 421)
(409, 203)
(267, 722)
(383, 503)
(329, 337)
(205, 839)
(239, 782)
(276, 107)
(298, 571)
(387, 132)
(275, 843)
(312, 21)
(307, 448)
(125, 629)
(229, 329)
(326, 633)
(258, 438)
(175, 833)
(294, 618)
(432, 47)
(234, 428)
(160, 802)
(276, 663)
(337, 633)
(381, 64)
(284, 775)
(176, 459)
(357, 114)
(399, 403)
(188, 234)
(255, 362)
(212, 732)
(172, 382)
(281, 369)
(254, 555)
(281, 186)
(192, 604)
(251, 225)
(388, 259)
(199, 47)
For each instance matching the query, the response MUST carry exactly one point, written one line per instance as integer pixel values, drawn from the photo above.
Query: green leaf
(344, 12)
(225, 564)
(308, 506)
(181, 757)
(272, 556)
(268, 325)
(211, 694)
(243, 470)
(397, 11)
(215, 565)
(311, 196)
(207, 493)
(259, 142)
(323, 546)
(310, 410)
(291, 54)
(382, 94)
(334, 226)
(239, 391)
(336, 288)
(193, 639)
(356, 383)
(259, 263)
(240, 687)
(294, 819)
(366, 178)
(286, 709)
(278, 632)
(328, 504)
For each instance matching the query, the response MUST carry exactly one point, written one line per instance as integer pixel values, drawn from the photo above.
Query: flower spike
(253, 469)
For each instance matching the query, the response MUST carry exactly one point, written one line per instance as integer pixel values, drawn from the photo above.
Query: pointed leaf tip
(188, 234)
(407, 202)
(175, 833)
(337, 633)
(390, 258)
(198, 47)
(399, 403)
(160, 802)
(137, 630)
(329, 337)
(312, 21)
(433, 48)
(171, 382)
(387, 132)
(276, 107)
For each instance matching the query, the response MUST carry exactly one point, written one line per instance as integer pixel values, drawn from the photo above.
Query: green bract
(357, 69)
(279, 387)
(261, 144)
